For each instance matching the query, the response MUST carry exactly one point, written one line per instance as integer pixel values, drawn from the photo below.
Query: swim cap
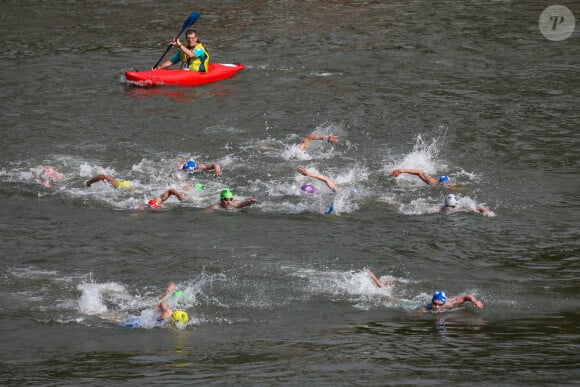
(189, 166)
(308, 188)
(439, 295)
(443, 179)
(450, 200)
(177, 293)
(199, 187)
(226, 193)
(123, 184)
(153, 204)
(180, 316)
(48, 171)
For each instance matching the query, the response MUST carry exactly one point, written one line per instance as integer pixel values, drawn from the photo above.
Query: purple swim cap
(308, 188)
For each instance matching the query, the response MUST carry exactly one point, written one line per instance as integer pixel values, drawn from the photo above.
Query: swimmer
(46, 175)
(379, 282)
(156, 203)
(306, 140)
(119, 184)
(450, 205)
(166, 314)
(442, 181)
(191, 165)
(227, 201)
(439, 302)
(326, 180)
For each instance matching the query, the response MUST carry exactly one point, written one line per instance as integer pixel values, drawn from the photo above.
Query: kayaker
(193, 55)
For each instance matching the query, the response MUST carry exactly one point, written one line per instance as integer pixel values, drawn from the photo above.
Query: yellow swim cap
(123, 184)
(180, 315)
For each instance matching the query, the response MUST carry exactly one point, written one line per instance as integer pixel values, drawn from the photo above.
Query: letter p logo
(557, 23)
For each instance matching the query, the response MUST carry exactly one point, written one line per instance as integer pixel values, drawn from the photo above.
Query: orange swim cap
(153, 204)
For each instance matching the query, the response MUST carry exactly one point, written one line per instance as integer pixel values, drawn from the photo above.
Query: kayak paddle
(186, 24)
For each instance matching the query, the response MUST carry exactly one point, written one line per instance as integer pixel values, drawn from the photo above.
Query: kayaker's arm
(174, 59)
(185, 49)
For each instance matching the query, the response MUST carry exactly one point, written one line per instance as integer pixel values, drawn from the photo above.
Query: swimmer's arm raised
(170, 288)
(306, 140)
(377, 281)
(101, 177)
(463, 299)
(208, 167)
(417, 172)
(325, 179)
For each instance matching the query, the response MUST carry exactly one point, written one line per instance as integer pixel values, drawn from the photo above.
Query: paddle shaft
(188, 23)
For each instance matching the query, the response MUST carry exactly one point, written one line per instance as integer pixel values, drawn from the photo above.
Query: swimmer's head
(49, 171)
(444, 180)
(439, 296)
(123, 184)
(226, 194)
(154, 204)
(189, 166)
(308, 188)
(47, 174)
(450, 200)
(177, 293)
(180, 316)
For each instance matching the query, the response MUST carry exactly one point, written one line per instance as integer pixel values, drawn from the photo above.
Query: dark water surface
(276, 292)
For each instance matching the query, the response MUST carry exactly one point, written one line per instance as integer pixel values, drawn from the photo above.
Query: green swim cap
(123, 184)
(177, 293)
(226, 193)
(199, 186)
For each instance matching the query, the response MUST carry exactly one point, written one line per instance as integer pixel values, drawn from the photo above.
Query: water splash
(424, 156)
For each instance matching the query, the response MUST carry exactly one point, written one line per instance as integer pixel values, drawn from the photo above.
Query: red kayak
(216, 72)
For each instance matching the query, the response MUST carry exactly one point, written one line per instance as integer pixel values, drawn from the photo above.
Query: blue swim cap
(439, 295)
(443, 179)
(189, 166)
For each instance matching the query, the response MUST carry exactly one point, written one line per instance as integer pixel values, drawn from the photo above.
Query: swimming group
(439, 302)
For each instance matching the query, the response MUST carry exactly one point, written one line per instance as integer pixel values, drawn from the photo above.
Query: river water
(276, 292)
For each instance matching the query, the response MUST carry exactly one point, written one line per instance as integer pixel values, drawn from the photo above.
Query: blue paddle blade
(190, 21)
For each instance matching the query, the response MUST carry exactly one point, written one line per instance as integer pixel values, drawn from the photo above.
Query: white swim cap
(450, 200)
